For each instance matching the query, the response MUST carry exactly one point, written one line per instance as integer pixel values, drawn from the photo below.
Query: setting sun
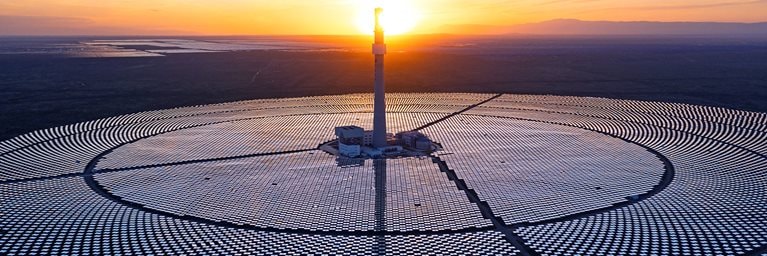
(399, 16)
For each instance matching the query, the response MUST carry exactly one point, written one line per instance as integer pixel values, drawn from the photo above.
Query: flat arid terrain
(41, 91)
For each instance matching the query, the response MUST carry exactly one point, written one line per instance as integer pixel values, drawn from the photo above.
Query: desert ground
(42, 91)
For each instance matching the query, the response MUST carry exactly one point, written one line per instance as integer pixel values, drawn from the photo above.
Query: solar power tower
(379, 107)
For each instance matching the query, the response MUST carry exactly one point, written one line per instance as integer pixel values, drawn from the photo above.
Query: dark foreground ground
(41, 91)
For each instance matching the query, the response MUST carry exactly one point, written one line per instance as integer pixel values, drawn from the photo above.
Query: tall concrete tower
(379, 104)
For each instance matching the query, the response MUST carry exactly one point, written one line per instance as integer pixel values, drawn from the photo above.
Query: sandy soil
(40, 91)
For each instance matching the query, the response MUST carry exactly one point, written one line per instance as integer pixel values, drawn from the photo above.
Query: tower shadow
(379, 166)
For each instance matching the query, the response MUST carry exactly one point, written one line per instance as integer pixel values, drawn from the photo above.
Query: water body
(103, 47)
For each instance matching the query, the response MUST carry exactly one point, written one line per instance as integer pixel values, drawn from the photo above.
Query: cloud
(61, 26)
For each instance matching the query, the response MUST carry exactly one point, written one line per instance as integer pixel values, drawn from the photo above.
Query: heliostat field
(517, 175)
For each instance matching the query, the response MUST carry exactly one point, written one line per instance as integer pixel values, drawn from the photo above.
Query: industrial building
(350, 140)
(415, 140)
(354, 141)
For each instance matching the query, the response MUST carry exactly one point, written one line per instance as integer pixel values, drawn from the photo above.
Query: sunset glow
(342, 17)
(399, 16)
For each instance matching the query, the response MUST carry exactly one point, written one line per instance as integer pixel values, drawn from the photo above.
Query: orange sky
(338, 16)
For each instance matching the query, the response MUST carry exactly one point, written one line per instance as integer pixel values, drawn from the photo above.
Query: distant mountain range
(579, 27)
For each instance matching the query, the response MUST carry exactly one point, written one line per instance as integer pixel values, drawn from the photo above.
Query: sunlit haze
(294, 17)
(399, 16)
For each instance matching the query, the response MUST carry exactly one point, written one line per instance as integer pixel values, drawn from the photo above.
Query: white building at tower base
(354, 141)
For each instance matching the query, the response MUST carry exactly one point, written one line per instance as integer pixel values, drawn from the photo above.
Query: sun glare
(398, 17)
